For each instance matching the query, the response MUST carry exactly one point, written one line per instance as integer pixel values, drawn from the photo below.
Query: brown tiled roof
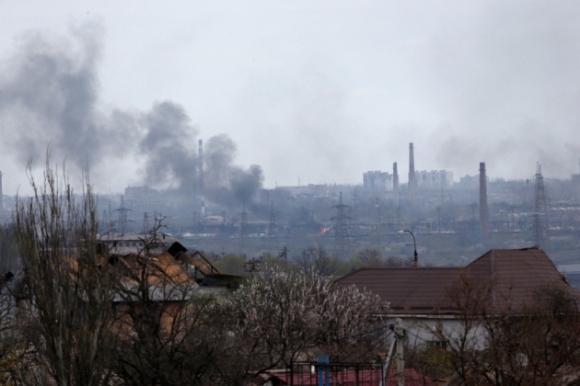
(512, 274)
(407, 290)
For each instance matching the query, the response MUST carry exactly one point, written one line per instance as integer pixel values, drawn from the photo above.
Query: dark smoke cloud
(220, 152)
(49, 94)
(231, 183)
(245, 183)
(168, 147)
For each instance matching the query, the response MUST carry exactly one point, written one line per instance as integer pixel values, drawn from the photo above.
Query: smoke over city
(49, 96)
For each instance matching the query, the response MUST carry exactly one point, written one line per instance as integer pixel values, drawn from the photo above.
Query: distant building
(434, 179)
(142, 196)
(137, 243)
(310, 190)
(469, 182)
(377, 181)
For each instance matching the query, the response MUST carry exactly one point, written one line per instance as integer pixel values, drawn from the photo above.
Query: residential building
(434, 179)
(424, 297)
(137, 243)
(377, 181)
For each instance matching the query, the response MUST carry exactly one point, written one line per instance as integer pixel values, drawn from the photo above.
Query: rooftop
(512, 275)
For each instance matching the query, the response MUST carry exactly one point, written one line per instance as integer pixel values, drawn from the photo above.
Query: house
(137, 242)
(165, 283)
(423, 297)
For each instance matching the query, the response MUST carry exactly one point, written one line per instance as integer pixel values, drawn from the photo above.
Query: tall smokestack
(1, 195)
(483, 208)
(200, 167)
(412, 182)
(395, 177)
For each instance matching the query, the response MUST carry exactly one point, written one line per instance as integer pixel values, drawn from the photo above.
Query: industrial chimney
(395, 177)
(200, 167)
(1, 195)
(483, 208)
(412, 182)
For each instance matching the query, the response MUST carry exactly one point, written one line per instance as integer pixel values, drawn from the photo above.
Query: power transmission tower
(341, 229)
(146, 225)
(122, 221)
(540, 213)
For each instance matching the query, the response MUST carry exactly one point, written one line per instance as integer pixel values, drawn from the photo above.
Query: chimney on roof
(483, 208)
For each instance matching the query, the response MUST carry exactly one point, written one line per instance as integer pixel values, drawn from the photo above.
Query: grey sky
(321, 90)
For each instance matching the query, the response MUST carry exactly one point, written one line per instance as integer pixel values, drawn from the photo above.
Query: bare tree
(315, 257)
(536, 343)
(70, 307)
(166, 325)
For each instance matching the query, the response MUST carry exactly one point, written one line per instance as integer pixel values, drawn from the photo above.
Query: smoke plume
(49, 95)
(227, 181)
(168, 147)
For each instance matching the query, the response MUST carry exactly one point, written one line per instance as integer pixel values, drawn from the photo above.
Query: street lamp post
(415, 255)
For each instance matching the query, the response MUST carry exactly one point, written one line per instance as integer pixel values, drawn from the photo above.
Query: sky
(310, 91)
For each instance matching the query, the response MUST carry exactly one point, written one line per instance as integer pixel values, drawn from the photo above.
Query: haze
(316, 91)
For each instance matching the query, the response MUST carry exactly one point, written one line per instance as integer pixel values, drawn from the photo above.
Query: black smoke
(167, 147)
(225, 180)
(49, 95)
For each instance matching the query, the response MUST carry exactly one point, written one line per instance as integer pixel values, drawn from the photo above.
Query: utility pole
(399, 344)
(400, 337)
(415, 255)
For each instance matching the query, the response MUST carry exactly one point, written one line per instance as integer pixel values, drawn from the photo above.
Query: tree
(537, 343)
(315, 258)
(70, 311)
(9, 259)
(279, 317)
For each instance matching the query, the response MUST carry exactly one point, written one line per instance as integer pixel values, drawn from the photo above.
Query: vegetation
(517, 344)
(77, 317)
(83, 319)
